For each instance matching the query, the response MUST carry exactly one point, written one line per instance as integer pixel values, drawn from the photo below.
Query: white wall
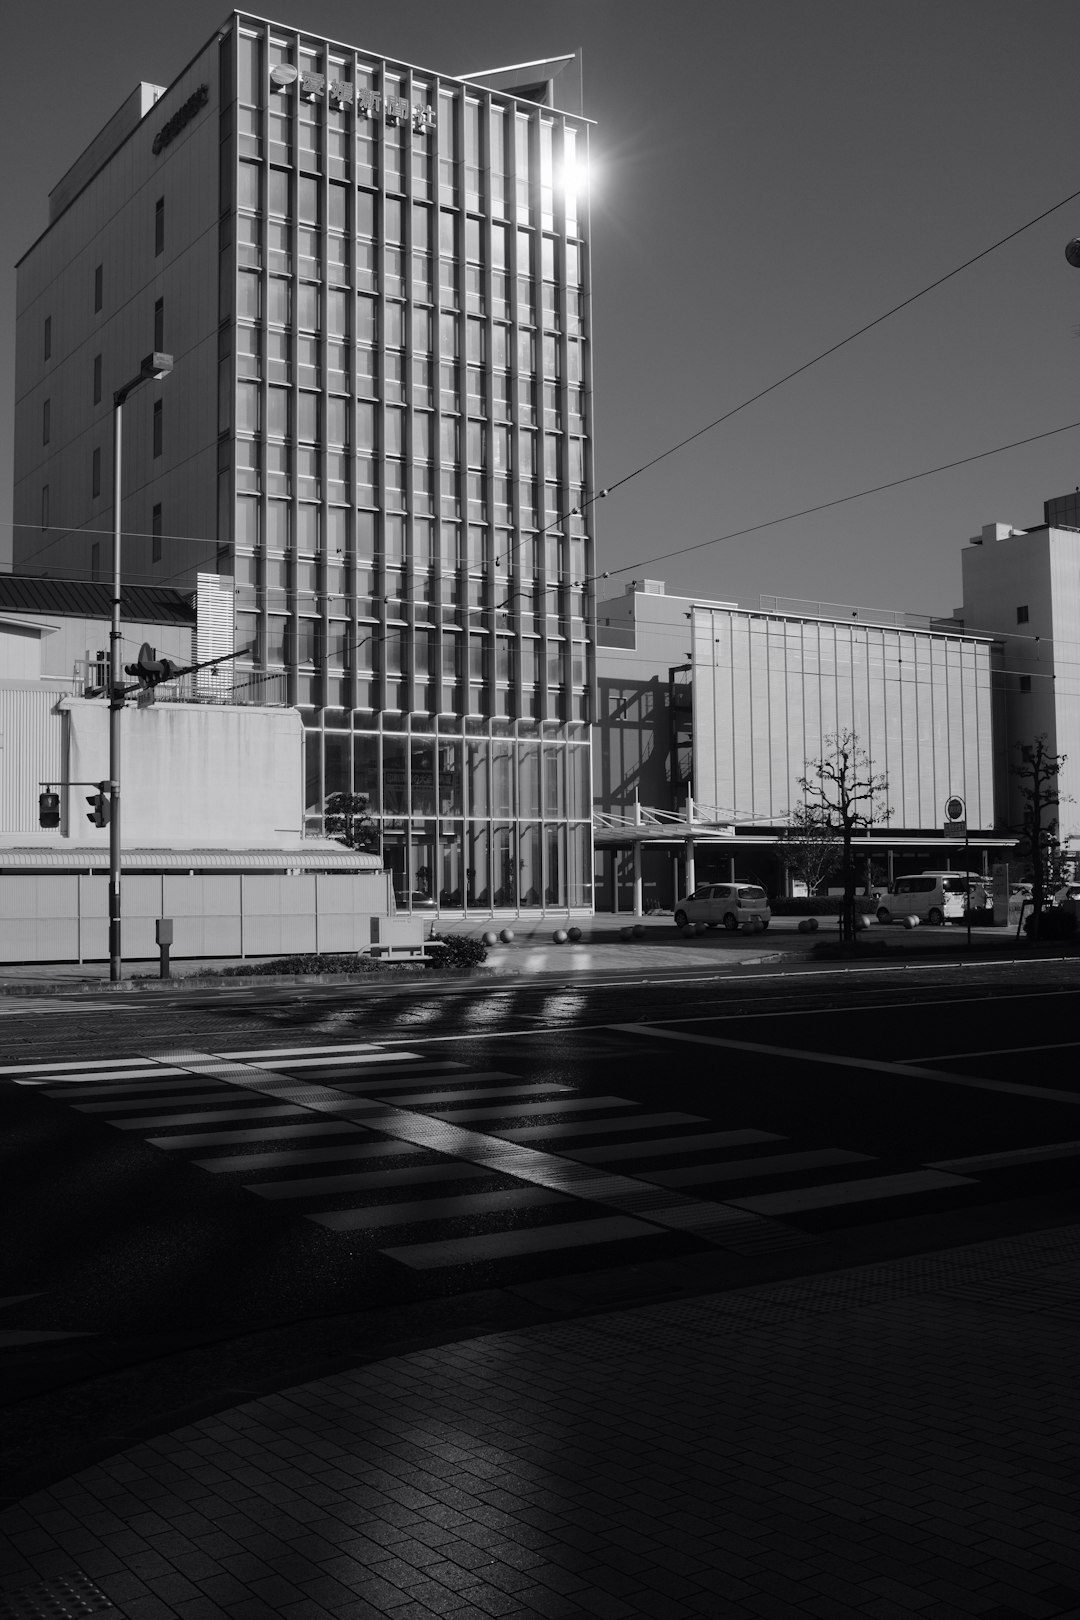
(192, 775)
(768, 691)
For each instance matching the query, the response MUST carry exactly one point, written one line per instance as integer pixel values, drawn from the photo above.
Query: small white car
(724, 904)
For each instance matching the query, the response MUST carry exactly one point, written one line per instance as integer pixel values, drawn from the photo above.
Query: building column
(889, 865)
(691, 880)
(637, 877)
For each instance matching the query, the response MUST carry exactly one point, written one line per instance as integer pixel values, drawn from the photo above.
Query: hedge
(821, 905)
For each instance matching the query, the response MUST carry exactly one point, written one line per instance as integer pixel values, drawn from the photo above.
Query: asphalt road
(160, 1196)
(226, 1191)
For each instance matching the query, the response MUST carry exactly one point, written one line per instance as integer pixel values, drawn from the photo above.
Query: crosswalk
(437, 1164)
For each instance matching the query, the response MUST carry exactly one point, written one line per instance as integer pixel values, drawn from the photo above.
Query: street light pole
(154, 366)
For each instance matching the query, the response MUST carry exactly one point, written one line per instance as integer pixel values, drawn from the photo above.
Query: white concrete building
(710, 712)
(1023, 587)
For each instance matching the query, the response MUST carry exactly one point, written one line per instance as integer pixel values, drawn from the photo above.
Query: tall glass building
(374, 281)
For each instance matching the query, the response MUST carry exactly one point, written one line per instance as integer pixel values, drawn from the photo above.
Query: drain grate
(61, 1597)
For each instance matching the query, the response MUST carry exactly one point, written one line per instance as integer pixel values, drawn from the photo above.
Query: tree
(808, 846)
(348, 818)
(1038, 772)
(842, 791)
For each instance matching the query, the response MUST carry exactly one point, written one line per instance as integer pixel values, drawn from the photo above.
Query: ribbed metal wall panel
(31, 739)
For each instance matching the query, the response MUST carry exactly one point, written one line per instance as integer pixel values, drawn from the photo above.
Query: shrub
(459, 951)
(820, 905)
(1053, 924)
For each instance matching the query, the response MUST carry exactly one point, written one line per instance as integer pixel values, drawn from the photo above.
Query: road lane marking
(595, 1127)
(125, 1105)
(851, 1192)
(671, 1144)
(778, 1164)
(247, 1163)
(209, 1117)
(364, 1180)
(903, 1071)
(422, 1211)
(260, 1133)
(1012, 1156)
(714, 1223)
(510, 1245)
(136, 1084)
(994, 1051)
(562, 1105)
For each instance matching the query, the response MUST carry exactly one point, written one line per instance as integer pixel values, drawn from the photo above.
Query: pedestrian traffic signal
(150, 669)
(48, 809)
(100, 812)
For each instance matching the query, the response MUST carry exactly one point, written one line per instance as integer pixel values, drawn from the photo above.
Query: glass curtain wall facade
(404, 454)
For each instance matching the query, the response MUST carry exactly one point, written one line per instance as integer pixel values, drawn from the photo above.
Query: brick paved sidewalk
(894, 1441)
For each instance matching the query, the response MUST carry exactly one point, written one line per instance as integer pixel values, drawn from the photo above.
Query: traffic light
(48, 809)
(101, 811)
(150, 669)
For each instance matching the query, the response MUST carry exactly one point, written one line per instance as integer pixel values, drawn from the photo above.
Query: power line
(843, 342)
(840, 500)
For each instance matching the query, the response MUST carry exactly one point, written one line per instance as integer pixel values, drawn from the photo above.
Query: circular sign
(1072, 252)
(282, 75)
(954, 809)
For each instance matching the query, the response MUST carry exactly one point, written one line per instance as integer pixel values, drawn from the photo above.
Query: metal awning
(315, 856)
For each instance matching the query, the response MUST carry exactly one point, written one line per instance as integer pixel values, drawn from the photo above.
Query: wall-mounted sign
(340, 93)
(168, 132)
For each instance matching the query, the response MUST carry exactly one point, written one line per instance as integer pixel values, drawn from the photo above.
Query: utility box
(164, 926)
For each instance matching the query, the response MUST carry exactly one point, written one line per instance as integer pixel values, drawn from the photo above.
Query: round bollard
(861, 921)
(808, 925)
(911, 921)
(560, 936)
(700, 928)
(638, 930)
(507, 936)
(574, 935)
(491, 938)
(626, 933)
(688, 932)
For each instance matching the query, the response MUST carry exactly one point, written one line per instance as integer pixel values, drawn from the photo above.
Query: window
(1021, 615)
(95, 474)
(157, 427)
(159, 325)
(155, 533)
(97, 379)
(1025, 683)
(99, 287)
(46, 421)
(1027, 753)
(159, 226)
(48, 337)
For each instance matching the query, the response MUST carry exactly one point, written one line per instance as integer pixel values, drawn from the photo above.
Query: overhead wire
(562, 518)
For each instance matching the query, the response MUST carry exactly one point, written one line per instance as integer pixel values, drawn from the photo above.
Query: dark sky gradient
(767, 176)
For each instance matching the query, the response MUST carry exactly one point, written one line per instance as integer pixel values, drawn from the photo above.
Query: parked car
(1068, 898)
(726, 904)
(930, 896)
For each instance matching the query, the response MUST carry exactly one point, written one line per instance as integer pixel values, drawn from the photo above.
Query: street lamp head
(156, 365)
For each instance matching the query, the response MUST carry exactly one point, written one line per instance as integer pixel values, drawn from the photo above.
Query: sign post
(955, 827)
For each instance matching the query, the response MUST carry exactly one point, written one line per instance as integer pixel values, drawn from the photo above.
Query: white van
(933, 897)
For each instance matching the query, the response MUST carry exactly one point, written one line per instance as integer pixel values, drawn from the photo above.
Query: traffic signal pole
(116, 707)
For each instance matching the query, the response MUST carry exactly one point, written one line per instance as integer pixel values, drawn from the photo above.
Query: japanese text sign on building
(340, 93)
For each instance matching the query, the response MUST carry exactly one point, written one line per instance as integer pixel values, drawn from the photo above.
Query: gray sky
(768, 176)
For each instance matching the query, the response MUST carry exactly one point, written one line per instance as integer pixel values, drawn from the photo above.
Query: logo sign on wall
(955, 817)
(168, 132)
(340, 93)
